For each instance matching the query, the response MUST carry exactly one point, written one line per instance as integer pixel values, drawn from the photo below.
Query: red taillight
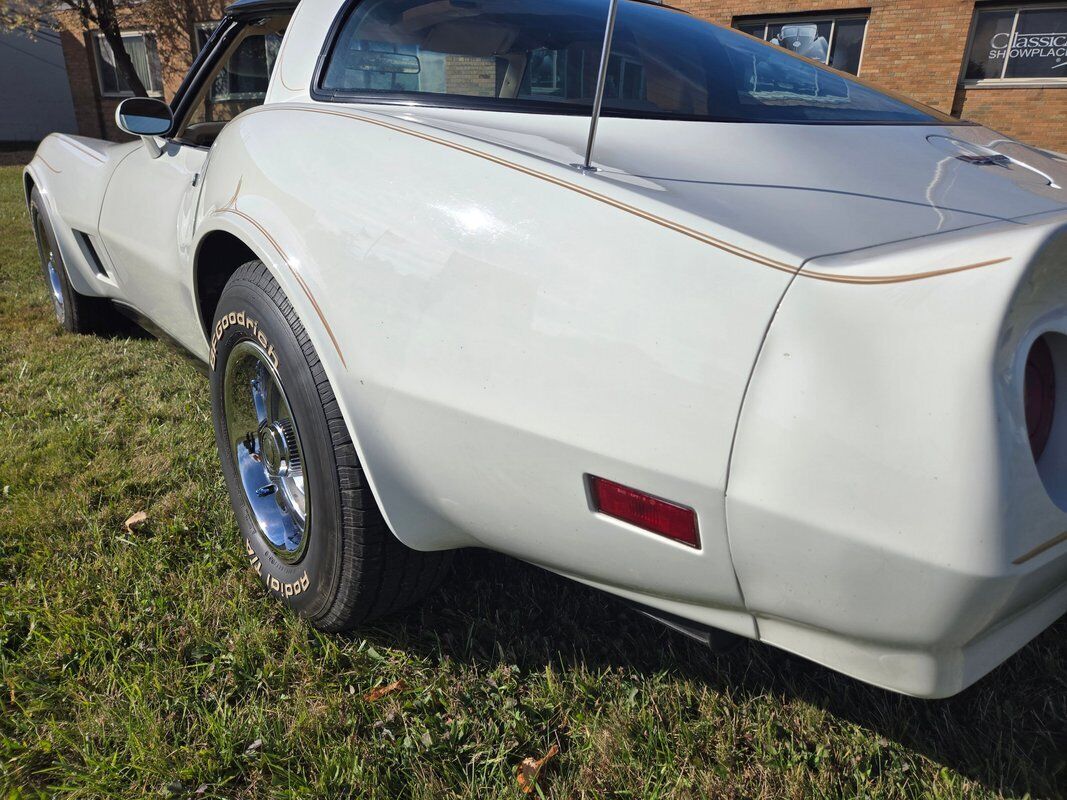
(1040, 396)
(645, 511)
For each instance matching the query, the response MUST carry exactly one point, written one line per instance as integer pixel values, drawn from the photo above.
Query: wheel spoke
(266, 447)
(259, 384)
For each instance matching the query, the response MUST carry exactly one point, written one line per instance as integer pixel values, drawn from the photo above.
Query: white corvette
(778, 356)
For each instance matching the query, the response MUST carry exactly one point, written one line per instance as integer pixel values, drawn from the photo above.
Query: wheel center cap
(273, 450)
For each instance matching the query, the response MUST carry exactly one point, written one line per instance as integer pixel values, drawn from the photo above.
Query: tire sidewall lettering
(281, 588)
(308, 586)
(251, 324)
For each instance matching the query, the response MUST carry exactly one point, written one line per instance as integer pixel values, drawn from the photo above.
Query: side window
(374, 54)
(489, 50)
(570, 75)
(244, 80)
(239, 83)
(518, 54)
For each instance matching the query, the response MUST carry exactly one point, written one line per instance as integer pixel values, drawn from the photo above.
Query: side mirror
(145, 117)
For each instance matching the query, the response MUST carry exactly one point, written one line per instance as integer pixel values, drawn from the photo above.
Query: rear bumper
(934, 671)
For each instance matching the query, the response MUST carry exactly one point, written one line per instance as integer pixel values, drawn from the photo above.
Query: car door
(149, 209)
(144, 223)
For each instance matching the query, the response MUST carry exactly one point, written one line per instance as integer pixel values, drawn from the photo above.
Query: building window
(836, 40)
(1018, 45)
(141, 48)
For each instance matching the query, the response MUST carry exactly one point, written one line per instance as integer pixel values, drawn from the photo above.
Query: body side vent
(85, 242)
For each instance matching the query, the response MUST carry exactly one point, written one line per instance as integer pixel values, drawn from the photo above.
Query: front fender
(72, 174)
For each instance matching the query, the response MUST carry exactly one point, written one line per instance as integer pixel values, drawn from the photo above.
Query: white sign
(1030, 45)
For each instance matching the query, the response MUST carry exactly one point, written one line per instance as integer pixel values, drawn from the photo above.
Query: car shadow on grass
(1008, 732)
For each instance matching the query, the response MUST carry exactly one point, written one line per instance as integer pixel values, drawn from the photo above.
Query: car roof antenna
(601, 82)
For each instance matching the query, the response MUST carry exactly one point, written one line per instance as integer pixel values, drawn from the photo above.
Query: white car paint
(811, 335)
(147, 220)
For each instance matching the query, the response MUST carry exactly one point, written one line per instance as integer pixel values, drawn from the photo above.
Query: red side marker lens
(645, 511)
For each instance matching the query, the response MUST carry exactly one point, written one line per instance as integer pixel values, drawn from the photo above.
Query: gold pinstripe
(1041, 548)
(86, 150)
(41, 159)
(766, 261)
(231, 208)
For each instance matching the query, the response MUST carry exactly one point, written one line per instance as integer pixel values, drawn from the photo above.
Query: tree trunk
(123, 64)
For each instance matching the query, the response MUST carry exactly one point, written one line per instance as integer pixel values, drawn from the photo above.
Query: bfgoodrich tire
(77, 313)
(311, 527)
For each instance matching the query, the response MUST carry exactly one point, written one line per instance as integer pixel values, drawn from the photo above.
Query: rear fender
(267, 232)
(882, 486)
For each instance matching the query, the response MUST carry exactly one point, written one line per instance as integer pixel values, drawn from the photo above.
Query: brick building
(1001, 64)
(161, 46)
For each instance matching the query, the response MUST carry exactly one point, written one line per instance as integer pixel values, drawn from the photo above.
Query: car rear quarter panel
(494, 334)
(883, 487)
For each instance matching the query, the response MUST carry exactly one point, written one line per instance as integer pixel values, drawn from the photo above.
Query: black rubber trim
(255, 9)
(717, 639)
(141, 320)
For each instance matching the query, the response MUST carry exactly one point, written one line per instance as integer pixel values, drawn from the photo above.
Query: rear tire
(312, 529)
(76, 313)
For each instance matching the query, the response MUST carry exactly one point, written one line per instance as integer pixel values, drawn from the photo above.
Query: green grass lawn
(151, 664)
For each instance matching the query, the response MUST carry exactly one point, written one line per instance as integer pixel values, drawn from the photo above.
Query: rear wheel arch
(348, 566)
(218, 256)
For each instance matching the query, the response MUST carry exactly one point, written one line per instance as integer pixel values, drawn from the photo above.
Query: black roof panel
(242, 9)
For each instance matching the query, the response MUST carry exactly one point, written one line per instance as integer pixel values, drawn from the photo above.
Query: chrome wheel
(51, 268)
(266, 449)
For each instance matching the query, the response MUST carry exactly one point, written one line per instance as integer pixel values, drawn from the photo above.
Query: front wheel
(312, 529)
(76, 313)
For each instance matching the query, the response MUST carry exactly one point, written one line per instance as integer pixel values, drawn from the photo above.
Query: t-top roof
(257, 8)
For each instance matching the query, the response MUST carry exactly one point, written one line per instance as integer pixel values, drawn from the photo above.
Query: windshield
(538, 55)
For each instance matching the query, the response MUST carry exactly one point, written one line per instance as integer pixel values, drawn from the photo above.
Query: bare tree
(30, 15)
